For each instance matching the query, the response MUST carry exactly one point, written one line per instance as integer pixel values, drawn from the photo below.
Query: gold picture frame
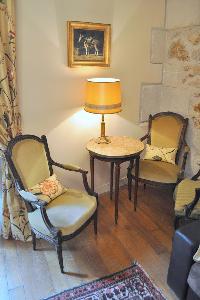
(88, 44)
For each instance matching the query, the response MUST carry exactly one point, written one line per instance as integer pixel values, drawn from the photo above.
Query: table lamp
(103, 96)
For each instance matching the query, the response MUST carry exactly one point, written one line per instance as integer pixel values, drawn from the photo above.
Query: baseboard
(106, 187)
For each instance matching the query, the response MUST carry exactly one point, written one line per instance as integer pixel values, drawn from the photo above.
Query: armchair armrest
(196, 176)
(29, 197)
(144, 137)
(186, 150)
(189, 208)
(83, 172)
(69, 167)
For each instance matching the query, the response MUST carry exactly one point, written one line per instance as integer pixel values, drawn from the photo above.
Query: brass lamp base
(103, 139)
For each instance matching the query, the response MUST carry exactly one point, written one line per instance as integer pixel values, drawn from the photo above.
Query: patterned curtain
(15, 223)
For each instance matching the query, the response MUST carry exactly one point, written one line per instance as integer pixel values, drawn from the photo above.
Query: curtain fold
(15, 222)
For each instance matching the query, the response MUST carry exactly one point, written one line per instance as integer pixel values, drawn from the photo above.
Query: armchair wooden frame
(33, 202)
(182, 145)
(189, 207)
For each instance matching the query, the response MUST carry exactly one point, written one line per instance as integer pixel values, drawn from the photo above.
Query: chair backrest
(167, 129)
(28, 158)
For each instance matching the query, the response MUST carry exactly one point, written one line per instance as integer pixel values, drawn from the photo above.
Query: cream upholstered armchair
(165, 130)
(187, 200)
(55, 213)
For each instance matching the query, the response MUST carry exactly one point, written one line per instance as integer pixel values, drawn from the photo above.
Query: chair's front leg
(33, 240)
(95, 222)
(60, 255)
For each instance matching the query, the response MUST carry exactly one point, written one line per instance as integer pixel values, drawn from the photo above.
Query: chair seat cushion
(184, 194)
(158, 171)
(68, 212)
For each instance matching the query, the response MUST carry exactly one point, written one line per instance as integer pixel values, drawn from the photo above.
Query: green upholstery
(30, 160)
(158, 171)
(184, 194)
(166, 131)
(68, 212)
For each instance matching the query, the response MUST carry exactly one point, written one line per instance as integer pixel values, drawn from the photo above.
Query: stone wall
(178, 49)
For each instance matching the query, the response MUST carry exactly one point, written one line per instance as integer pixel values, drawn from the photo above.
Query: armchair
(64, 217)
(187, 200)
(165, 129)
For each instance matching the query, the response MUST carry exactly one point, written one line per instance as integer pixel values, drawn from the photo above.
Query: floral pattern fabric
(49, 189)
(15, 221)
(160, 154)
(132, 283)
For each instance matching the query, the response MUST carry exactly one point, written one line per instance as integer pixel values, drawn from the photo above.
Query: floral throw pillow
(48, 190)
(160, 154)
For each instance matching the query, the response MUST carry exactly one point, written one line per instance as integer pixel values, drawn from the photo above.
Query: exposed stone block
(173, 75)
(175, 99)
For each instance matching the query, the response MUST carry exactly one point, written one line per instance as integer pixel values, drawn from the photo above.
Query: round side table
(119, 150)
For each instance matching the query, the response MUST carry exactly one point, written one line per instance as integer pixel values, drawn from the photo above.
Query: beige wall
(51, 94)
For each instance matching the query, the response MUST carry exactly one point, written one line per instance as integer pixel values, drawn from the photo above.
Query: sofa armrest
(185, 243)
(194, 279)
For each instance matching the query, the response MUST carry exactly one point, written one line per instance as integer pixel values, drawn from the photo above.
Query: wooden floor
(144, 236)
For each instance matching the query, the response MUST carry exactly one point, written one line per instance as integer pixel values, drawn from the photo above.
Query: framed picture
(88, 44)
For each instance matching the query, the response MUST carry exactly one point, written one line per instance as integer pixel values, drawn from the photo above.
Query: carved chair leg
(33, 240)
(60, 256)
(95, 222)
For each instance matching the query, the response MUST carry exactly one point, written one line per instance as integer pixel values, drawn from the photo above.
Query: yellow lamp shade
(103, 96)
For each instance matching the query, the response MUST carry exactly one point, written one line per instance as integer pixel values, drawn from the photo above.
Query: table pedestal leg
(130, 179)
(111, 179)
(137, 161)
(117, 175)
(92, 172)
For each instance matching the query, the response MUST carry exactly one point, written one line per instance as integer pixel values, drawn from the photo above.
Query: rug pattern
(131, 283)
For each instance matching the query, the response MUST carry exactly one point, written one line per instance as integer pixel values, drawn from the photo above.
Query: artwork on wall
(88, 44)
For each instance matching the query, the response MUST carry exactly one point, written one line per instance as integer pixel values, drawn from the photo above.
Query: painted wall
(51, 95)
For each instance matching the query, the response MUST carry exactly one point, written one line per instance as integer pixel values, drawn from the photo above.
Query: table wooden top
(119, 147)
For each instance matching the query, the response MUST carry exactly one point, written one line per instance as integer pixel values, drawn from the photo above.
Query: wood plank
(145, 236)
(34, 271)
(3, 275)
(12, 265)
(17, 294)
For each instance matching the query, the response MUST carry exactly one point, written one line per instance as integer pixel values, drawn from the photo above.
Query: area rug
(131, 283)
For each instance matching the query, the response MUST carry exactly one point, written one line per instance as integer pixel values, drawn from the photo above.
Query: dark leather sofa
(183, 273)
